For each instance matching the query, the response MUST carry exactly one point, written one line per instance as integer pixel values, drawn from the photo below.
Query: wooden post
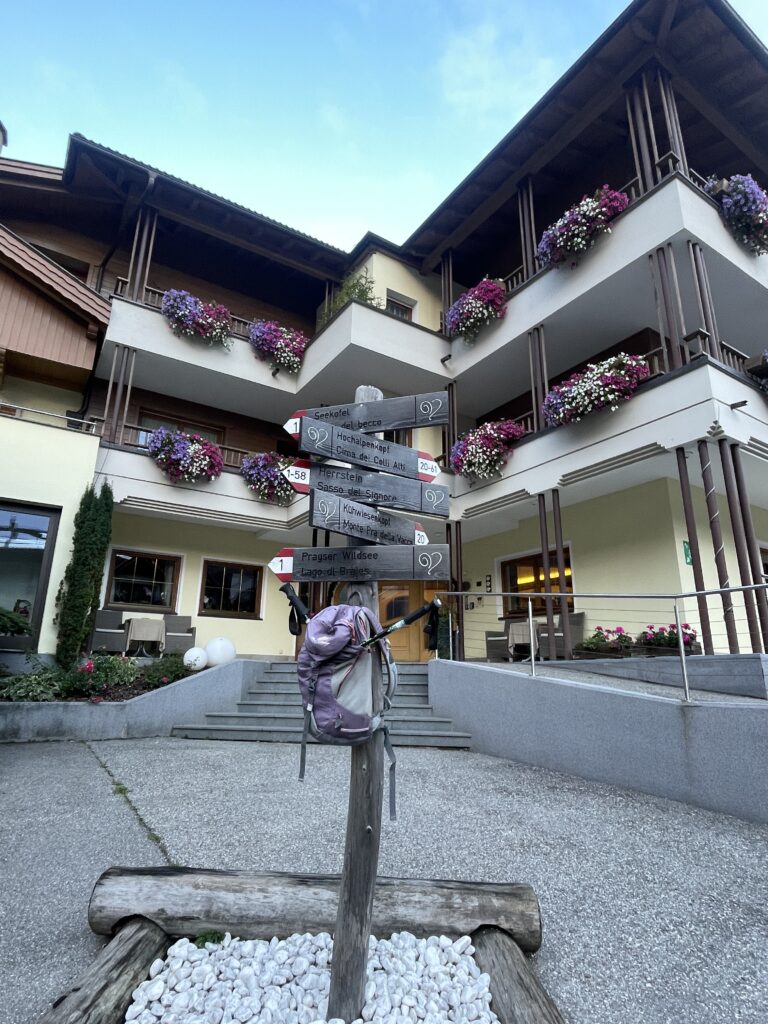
(361, 848)
(518, 995)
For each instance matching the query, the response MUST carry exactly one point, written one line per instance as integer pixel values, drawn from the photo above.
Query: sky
(332, 116)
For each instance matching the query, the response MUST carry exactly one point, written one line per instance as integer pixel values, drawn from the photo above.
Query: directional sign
(320, 438)
(372, 562)
(388, 414)
(327, 512)
(368, 487)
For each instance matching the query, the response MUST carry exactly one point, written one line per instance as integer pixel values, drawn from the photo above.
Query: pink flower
(164, 679)
(619, 629)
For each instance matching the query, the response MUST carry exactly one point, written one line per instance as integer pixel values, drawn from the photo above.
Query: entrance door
(27, 538)
(396, 599)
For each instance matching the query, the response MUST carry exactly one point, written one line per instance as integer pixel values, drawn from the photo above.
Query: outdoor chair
(577, 623)
(179, 634)
(109, 633)
(512, 645)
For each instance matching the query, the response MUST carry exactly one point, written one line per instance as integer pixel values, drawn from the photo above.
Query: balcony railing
(153, 297)
(134, 436)
(49, 419)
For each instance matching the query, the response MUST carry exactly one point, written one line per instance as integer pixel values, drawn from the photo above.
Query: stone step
(257, 697)
(290, 687)
(294, 716)
(276, 734)
(257, 705)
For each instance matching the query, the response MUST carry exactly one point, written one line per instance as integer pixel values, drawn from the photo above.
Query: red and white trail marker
(282, 565)
(298, 476)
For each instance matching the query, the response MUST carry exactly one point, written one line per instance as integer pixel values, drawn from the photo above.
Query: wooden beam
(665, 25)
(729, 129)
(518, 997)
(539, 158)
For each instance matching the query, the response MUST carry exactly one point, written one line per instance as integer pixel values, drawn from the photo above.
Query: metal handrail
(530, 596)
(89, 425)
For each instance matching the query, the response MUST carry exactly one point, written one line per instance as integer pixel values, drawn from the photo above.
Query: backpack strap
(392, 764)
(305, 730)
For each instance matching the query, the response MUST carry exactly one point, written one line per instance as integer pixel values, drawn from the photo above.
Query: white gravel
(286, 981)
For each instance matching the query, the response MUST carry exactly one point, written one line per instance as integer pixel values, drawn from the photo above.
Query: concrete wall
(151, 714)
(424, 289)
(45, 465)
(33, 395)
(713, 755)
(193, 544)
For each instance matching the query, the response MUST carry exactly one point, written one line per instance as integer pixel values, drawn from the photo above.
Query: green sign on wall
(687, 553)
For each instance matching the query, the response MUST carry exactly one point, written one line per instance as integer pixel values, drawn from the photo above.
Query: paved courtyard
(653, 911)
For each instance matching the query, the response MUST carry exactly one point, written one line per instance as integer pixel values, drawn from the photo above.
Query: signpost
(341, 500)
(342, 515)
(353, 446)
(369, 487)
(388, 414)
(374, 562)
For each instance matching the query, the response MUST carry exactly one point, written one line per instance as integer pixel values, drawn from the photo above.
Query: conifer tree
(78, 596)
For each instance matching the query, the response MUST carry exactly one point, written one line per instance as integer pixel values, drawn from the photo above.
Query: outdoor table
(520, 634)
(143, 631)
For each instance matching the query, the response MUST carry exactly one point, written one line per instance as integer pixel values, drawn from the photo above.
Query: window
(526, 575)
(148, 423)
(231, 590)
(27, 539)
(139, 579)
(400, 306)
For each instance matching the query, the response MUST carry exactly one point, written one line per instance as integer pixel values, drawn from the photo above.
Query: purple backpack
(335, 669)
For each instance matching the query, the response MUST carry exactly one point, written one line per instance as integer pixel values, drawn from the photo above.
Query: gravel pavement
(653, 911)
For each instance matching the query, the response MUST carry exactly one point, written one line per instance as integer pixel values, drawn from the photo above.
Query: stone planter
(638, 651)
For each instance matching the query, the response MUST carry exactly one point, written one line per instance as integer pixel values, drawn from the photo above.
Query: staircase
(270, 711)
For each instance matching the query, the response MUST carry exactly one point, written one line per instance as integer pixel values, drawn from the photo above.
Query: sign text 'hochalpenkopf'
(428, 410)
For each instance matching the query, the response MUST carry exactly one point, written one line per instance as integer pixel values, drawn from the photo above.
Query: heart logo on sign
(429, 409)
(326, 510)
(320, 436)
(434, 498)
(430, 561)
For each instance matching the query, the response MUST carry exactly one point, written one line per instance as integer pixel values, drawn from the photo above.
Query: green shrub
(165, 670)
(33, 686)
(358, 286)
(13, 624)
(113, 669)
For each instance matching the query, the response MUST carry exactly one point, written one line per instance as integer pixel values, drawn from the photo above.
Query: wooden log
(518, 995)
(190, 901)
(103, 993)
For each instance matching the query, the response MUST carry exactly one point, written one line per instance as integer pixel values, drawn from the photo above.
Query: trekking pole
(411, 617)
(296, 602)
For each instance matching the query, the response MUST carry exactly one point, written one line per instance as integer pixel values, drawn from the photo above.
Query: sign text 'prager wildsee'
(327, 512)
(395, 562)
(369, 487)
(320, 438)
(388, 414)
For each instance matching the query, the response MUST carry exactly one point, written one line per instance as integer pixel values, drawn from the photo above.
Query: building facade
(666, 494)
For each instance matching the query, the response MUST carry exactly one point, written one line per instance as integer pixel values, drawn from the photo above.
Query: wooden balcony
(153, 297)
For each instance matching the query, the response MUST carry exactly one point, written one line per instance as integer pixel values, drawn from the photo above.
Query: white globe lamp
(195, 658)
(220, 650)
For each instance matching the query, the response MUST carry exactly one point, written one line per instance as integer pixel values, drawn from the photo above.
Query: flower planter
(757, 366)
(603, 652)
(639, 651)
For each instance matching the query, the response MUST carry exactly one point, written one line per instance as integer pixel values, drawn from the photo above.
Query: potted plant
(757, 366)
(186, 458)
(744, 208)
(605, 643)
(263, 473)
(580, 226)
(190, 317)
(282, 347)
(481, 453)
(662, 641)
(607, 383)
(476, 308)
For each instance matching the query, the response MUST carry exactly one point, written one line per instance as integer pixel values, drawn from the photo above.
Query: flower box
(640, 651)
(606, 651)
(757, 366)
(482, 453)
(602, 384)
(478, 306)
(580, 226)
(744, 208)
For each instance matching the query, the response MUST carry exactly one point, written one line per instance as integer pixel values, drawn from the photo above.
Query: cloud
(488, 72)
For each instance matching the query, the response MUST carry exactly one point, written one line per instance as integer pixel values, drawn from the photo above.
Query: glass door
(27, 538)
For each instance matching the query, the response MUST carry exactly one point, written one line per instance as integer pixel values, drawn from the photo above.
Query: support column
(755, 561)
(717, 545)
(669, 305)
(671, 119)
(141, 253)
(538, 366)
(461, 649)
(545, 563)
(446, 282)
(693, 544)
(740, 541)
(560, 554)
(638, 133)
(704, 298)
(528, 239)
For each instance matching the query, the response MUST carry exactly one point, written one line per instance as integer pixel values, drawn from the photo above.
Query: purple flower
(482, 453)
(282, 347)
(263, 474)
(478, 306)
(189, 317)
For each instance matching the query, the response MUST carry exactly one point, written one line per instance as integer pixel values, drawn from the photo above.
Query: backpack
(335, 668)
